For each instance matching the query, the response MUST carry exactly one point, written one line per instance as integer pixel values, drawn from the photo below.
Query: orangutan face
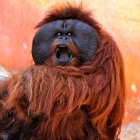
(64, 42)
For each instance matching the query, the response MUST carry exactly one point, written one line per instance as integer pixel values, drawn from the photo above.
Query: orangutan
(75, 90)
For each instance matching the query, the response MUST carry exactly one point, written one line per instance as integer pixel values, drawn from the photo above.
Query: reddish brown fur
(68, 100)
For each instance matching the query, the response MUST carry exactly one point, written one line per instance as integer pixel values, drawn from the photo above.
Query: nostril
(64, 37)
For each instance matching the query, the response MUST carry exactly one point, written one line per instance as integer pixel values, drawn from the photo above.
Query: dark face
(64, 42)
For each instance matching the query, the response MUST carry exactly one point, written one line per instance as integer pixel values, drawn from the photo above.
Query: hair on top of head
(69, 11)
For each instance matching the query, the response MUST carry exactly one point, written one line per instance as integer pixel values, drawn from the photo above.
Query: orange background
(120, 18)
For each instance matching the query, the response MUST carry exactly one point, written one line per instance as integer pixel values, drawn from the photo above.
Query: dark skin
(64, 42)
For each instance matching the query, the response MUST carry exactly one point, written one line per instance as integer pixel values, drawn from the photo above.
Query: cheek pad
(43, 40)
(86, 40)
(41, 53)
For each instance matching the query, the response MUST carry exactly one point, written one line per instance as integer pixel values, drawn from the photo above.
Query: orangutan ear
(109, 86)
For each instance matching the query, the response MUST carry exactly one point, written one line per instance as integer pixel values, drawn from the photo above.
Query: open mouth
(63, 53)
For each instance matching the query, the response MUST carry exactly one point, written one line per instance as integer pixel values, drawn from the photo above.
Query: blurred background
(121, 18)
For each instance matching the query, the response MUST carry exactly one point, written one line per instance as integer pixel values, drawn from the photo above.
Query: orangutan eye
(59, 33)
(69, 34)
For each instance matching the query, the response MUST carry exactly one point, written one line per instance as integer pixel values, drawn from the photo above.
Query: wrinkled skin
(76, 40)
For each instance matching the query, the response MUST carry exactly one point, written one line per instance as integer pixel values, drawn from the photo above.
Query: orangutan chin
(75, 90)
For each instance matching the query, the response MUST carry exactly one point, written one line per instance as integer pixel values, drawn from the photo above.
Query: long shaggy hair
(68, 103)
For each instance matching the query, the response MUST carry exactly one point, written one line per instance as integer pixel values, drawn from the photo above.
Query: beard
(85, 102)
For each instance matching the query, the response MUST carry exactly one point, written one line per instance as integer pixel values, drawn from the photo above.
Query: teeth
(68, 50)
(57, 49)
